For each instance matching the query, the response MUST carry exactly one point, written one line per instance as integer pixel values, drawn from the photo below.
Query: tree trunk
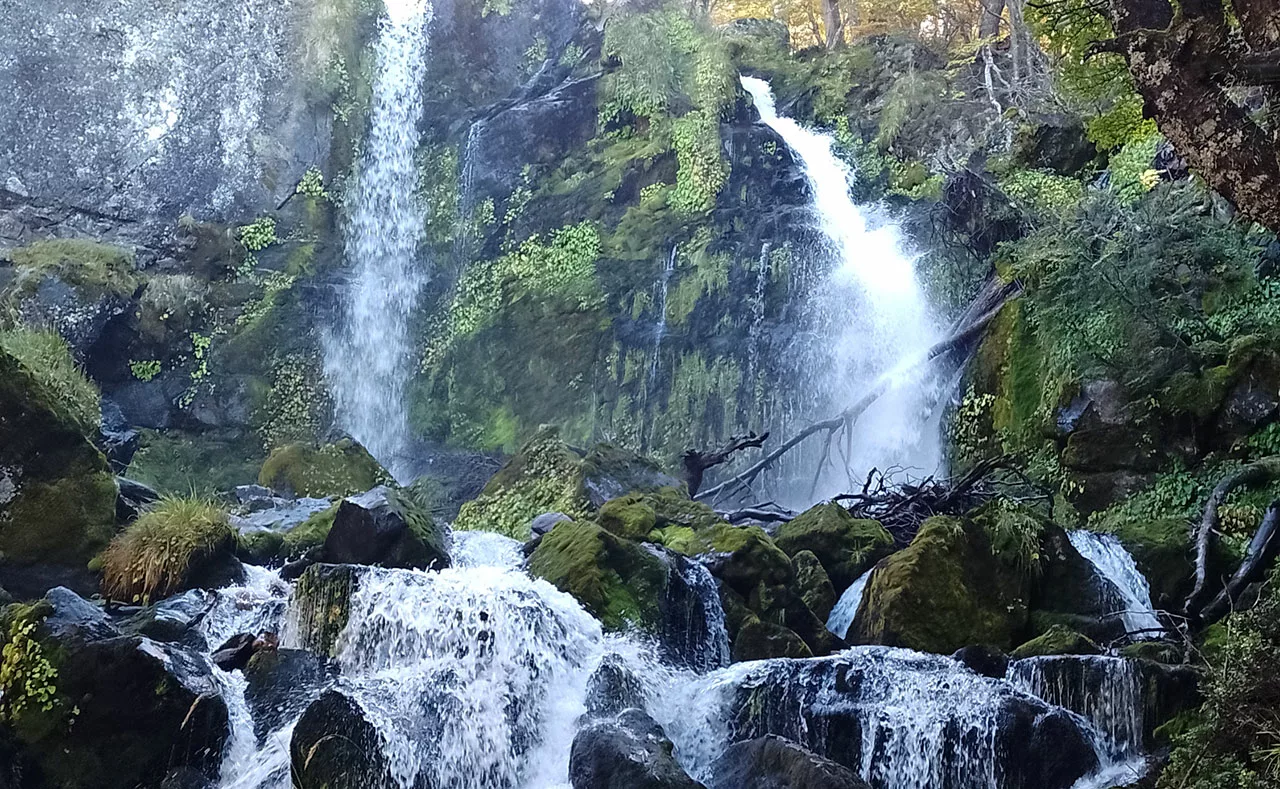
(833, 21)
(989, 23)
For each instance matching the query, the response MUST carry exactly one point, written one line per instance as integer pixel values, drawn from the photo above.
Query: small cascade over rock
(847, 606)
(473, 677)
(900, 719)
(693, 626)
(870, 317)
(1115, 564)
(1106, 691)
(367, 361)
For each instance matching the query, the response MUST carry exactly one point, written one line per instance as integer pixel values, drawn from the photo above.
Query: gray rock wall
(155, 108)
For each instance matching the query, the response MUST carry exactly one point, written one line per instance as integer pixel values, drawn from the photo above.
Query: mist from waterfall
(368, 358)
(869, 319)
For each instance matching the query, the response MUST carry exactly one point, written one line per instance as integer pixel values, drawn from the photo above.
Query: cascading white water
(1106, 691)
(846, 608)
(1117, 565)
(475, 677)
(368, 359)
(870, 316)
(693, 617)
(485, 549)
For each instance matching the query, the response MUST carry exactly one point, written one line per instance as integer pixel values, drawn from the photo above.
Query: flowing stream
(870, 320)
(368, 359)
(1117, 565)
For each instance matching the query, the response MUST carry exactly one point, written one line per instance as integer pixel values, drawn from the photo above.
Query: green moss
(545, 476)
(98, 268)
(943, 591)
(194, 464)
(814, 584)
(757, 640)
(51, 377)
(322, 599)
(159, 553)
(338, 469)
(1058, 640)
(617, 580)
(630, 517)
(846, 546)
(64, 520)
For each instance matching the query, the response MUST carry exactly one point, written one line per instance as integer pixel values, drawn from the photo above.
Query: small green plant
(45, 357)
(311, 185)
(258, 234)
(28, 681)
(153, 557)
(145, 370)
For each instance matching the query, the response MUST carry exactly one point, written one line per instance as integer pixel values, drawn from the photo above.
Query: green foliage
(702, 171)
(258, 234)
(99, 268)
(1041, 192)
(1233, 740)
(154, 556)
(296, 404)
(1132, 175)
(59, 382)
(437, 189)
(1015, 535)
(28, 679)
(310, 186)
(145, 370)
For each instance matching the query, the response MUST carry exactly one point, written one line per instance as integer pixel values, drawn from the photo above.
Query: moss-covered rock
(338, 469)
(545, 476)
(618, 581)
(322, 600)
(758, 640)
(630, 517)
(846, 546)
(813, 584)
(1057, 640)
(388, 528)
(944, 591)
(57, 493)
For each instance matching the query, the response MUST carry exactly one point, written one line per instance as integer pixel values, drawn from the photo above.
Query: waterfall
(694, 633)
(368, 360)
(1106, 691)
(1117, 565)
(871, 318)
(846, 608)
(475, 677)
(660, 331)
(485, 549)
(901, 719)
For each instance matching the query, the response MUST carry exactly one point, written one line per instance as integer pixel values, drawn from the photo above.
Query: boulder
(141, 709)
(630, 517)
(174, 619)
(813, 584)
(386, 528)
(282, 683)
(116, 438)
(759, 640)
(944, 591)
(771, 762)
(628, 752)
(1057, 640)
(987, 661)
(334, 745)
(846, 546)
(613, 688)
(546, 522)
(132, 500)
(57, 492)
(338, 469)
(619, 581)
(322, 604)
(609, 472)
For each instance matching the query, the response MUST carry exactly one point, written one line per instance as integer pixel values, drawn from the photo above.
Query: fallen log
(1262, 552)
(696, 462)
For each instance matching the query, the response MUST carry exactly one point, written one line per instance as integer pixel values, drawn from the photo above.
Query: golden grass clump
(154, 557)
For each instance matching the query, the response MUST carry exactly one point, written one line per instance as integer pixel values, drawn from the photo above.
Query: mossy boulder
(1057, 640)
(388, 528)
(630, 517)
(338, 469)
(759, 640)
(619, 581)
(57, 492)
(944, 591)
(322, 602)
(813, 584)
(846, 546)
(548, 475)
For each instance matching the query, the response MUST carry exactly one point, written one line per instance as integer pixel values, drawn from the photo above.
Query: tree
(1207, 72)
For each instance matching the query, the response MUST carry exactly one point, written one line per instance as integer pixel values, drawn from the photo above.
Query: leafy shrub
(155, 556)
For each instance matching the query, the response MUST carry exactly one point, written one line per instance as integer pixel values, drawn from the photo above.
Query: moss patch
(98, 268)
(338, 469)
(1057, 640)
(845, 545)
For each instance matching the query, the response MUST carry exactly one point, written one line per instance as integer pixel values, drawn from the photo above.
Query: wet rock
(613, 688)
(772, 762)
(174, 619)
(79, 313)
(610, 472)
(156, 702)
(117, 440)
(383, 528)
(813, 584)
(322, 602)
(546, 522)
(757, 640)
(334, 745)
(235, 652)
(132, 500)
(282, 683)
(1057, 640)
(987, 661)
(629, 752)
